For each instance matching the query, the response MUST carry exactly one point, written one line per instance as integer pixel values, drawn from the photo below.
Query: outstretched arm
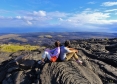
(73, 50)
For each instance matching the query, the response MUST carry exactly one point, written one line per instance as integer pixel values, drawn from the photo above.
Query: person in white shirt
(67, 53)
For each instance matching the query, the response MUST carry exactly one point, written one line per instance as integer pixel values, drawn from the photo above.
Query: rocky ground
(99, 58)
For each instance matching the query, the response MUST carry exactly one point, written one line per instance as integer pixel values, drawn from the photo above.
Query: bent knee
(46, 52)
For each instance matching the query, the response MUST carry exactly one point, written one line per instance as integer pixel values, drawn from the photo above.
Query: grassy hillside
(15, 48)
(8, 36)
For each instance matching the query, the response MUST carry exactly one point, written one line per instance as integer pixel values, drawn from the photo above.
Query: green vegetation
(41, 36)
(45, 36)
(15, 48)
(48, 36)
(106, 39)
(9, 36)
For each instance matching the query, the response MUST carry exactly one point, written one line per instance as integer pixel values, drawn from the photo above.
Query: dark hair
(67, 43)
(57, 43)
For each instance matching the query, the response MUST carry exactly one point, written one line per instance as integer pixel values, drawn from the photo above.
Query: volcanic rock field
(99, 66)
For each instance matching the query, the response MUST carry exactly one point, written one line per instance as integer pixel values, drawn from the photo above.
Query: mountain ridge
(46, 38)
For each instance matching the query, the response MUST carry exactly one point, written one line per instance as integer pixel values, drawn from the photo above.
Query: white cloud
(40, 13)
(109, 3)
(57, 14)
(28, 18)
(87, 9)
(60, 19)
(18, 17)
(91, 2)
(111, 10)
(29, 23)
(88, 19)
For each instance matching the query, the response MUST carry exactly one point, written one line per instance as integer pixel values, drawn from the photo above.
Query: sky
(58, 16)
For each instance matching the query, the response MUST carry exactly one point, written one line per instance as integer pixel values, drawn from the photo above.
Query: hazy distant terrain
(45, 38)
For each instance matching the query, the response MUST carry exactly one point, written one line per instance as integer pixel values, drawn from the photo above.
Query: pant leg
(46, 54)
(75, 56)
(70, 55)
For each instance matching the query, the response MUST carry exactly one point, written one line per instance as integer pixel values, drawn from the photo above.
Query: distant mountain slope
(47, 38)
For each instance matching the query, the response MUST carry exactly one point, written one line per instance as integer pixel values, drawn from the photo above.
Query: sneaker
(79, 61)
(39, 62)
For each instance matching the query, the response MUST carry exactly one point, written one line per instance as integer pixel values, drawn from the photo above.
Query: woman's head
(57, 43)
(67, 43)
